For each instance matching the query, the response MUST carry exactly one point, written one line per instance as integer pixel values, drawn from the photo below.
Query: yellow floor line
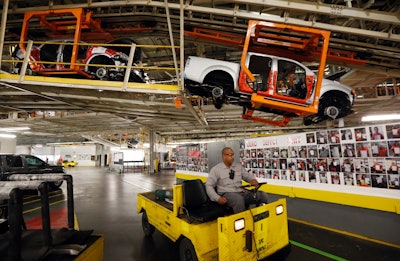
(345, 233)
(76, 225)
(38, 208)
(38, 199)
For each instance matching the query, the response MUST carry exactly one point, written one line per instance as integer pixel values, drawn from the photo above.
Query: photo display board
(367, 156)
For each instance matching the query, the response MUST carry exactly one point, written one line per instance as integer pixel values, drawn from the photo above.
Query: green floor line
(317, 251)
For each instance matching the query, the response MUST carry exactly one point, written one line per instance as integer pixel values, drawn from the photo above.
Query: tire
(148, 229)
(95, 70)
(186, 250)
(55, 185)
(335, 101)
(331, 101)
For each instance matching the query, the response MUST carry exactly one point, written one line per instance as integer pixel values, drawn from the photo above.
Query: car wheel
(334, 105)
(148, 229)
(186, 250)
(99, 72)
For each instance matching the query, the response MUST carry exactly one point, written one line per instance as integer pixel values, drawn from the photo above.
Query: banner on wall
(367, 156)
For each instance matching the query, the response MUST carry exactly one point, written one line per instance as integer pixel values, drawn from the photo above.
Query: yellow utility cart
(207, 231)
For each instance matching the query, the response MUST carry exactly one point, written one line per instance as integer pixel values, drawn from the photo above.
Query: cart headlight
(279, 210)
(239, 224)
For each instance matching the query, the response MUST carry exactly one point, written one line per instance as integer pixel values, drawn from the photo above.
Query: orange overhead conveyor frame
(82, 21)
(290, 41)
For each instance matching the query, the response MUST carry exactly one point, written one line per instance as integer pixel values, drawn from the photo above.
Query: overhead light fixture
(383, 117)
(14, 129)
(7, 136)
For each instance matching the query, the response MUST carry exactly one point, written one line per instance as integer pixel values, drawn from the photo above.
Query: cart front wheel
(148, 228)
(186, 251)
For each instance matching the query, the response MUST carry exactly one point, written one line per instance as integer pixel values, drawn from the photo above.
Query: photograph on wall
(275, 152)
(363, 149)
(323, 177)
(310, 137)
(285, 174)
(254, 163)
(377, 132)
(311, 177)
(311, 164)
(322, 137)
(377, 165)
(347, 135)
(335, 150)
(260, 163)
(292, 164)
(268, 163)
(322, 164)
(363, 180)
(394, 181)
(323, 151)
(360, 134)
(361, 165)
(392, 165)
(268, 174)
(267, 153)
(283, 152)
(379, 181)
(379, 149)
(292, 175)
(312, 151)
(293, 153)
(347, 164)
(303, 152)
(334, 136)
(283, 163)
(334, 165)
(335, 178)
(394, 148)
(393, 131)
(348, 178)
(348, 150)
(303, 176)
(301, 164)
(275, 174)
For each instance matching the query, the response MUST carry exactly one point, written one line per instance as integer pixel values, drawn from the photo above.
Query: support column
(151, 152)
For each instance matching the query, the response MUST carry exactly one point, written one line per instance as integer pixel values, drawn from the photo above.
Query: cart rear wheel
(148, 228)
(186, 250)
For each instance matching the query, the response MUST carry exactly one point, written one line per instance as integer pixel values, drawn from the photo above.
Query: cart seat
(196, 203)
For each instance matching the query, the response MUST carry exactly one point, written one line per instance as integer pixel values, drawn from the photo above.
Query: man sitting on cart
(224, 184)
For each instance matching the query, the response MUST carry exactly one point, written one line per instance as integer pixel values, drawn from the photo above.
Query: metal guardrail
(51, 178)
(12, 191)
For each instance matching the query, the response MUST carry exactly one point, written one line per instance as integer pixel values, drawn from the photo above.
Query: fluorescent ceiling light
(13, 129)
(383, 117)
(9, 136)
